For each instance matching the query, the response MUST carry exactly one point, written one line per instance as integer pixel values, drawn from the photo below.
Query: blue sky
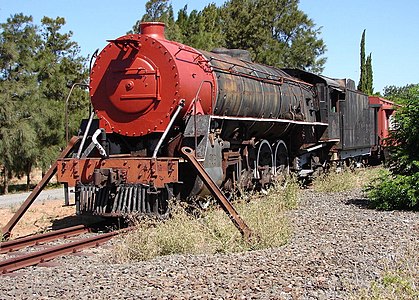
(392, 30)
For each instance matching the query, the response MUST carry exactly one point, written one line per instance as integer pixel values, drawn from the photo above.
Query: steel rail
(37, 239)
(35, 258)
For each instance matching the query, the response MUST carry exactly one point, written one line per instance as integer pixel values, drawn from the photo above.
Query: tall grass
(345, 180)
(212, 231)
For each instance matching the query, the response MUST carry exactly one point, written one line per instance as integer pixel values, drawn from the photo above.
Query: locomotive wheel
(264, 163)
(281, 159)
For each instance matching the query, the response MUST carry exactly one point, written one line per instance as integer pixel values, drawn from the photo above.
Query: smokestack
(153, 29)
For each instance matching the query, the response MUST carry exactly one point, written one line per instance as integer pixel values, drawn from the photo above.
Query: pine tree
(37, 66)
(275, 32)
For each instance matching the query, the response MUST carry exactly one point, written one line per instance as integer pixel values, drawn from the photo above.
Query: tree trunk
(6, 181)
(28, 178)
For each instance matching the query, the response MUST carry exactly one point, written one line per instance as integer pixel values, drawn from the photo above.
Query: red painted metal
(134, 170)
(386, 110)
(129, 74)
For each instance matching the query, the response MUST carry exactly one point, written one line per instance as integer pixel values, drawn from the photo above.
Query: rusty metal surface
(20, 243)
(31, 198)
(357, 121)
(247, 89)
(131, 170)
(246, 232)
(117, 201)
(35, 258)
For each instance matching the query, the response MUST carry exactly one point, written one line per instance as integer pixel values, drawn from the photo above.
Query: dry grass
(212, 231)
(345, 180)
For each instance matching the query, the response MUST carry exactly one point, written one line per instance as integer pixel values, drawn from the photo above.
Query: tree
(399, 189)
(59, 67)
(276, 33)
(362, 77)
(399, 94)
(37, 66)
(160, 11)
(18, 44)
(366, 76)
(201, 29)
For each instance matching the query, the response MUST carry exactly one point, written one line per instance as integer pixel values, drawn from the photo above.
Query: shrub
(394, 191)
(400, 189)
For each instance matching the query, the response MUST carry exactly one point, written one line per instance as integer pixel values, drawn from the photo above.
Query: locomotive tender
(246, 123)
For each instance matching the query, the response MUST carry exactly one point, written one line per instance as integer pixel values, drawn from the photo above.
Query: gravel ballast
(338, 247)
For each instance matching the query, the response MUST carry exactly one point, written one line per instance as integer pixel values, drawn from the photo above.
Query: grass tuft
(212, 231)
(400, 280)
(345, 180)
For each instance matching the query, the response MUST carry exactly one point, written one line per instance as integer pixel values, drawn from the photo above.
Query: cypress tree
(368, 68)
(362, 85)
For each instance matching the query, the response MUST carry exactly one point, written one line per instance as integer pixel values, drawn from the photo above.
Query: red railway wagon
(385, 110)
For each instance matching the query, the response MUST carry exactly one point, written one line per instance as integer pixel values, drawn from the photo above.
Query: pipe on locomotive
(179, 108)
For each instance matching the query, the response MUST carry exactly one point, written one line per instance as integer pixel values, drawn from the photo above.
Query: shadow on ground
(360, 202)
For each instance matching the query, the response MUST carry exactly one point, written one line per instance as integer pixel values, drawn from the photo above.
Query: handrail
(66, 106)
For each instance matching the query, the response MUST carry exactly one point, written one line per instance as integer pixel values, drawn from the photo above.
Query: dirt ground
(40, 217)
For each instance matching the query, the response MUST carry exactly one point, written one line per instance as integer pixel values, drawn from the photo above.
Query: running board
(246, 232)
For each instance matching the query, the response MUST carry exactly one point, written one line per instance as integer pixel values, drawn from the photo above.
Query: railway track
(34, 258)
(32, 240)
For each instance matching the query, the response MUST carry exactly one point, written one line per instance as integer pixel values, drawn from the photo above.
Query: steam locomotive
(247, 124)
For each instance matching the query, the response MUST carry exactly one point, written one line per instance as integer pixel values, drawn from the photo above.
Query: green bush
(400, 188)
(394, 191)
